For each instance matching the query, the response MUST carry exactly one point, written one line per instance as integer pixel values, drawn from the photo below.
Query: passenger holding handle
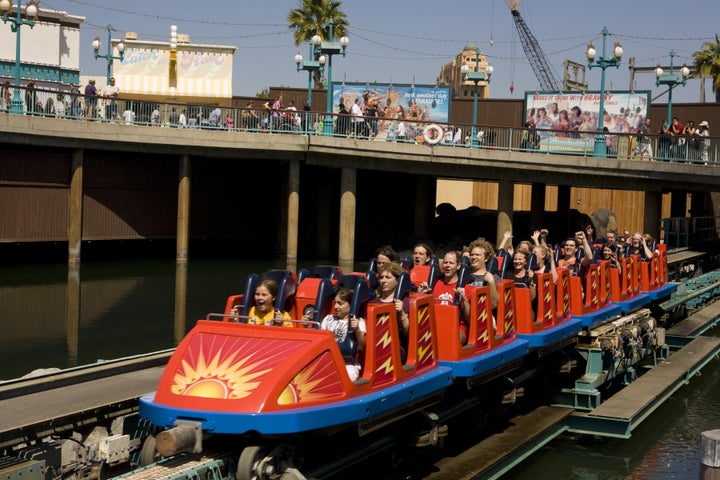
(264, 312)
(349, 331)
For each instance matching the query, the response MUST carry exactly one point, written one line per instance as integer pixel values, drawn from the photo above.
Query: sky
(406, 42)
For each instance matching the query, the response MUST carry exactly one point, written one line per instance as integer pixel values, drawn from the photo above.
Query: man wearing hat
(705, 141)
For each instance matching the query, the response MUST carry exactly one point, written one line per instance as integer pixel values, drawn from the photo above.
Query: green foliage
(707, 61)
(264, 93)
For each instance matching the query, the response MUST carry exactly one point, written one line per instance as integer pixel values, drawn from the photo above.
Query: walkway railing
(622, 146)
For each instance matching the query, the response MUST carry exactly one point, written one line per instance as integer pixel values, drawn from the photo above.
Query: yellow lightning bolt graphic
(388, 366)
(385, 340)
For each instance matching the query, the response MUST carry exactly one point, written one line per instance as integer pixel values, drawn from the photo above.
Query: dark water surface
(52, 317)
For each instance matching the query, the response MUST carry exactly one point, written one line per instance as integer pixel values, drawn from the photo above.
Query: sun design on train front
(216, 366)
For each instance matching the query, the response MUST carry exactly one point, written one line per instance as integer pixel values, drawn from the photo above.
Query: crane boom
(534, 53)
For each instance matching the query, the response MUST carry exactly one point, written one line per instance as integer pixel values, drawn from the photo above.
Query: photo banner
(424, 102)
(579, 112)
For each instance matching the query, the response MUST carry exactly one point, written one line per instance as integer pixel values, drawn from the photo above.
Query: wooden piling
(710, 455)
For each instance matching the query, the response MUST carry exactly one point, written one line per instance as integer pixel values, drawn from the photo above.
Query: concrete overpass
(286, 155)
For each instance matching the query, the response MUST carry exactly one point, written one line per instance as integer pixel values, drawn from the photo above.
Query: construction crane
(543, 72)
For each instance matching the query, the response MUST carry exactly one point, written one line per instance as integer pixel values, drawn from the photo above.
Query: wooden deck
(636, 401)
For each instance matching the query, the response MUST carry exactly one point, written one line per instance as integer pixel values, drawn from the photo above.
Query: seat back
(251, 283)
(331, 272)
(492, 265)
(404, 286)
(361, 292)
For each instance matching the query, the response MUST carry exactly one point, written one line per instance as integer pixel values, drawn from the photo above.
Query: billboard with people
(579, 112)
(414, 102)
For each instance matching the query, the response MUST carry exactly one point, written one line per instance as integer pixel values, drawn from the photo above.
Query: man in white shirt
(359, 127)
(111, 93)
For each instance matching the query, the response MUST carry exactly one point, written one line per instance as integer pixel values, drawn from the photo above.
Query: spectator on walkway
(174, 118)
(129, 116)
(215, 118)
(276, 107)
(359, 124)
(32, 104)
(182, 119)
(90, 99)
(704, 141)
(6, 95)
(111, 92)
(155, 116)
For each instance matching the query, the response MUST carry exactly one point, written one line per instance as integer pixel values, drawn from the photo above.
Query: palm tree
(312, 17)
(707, 61)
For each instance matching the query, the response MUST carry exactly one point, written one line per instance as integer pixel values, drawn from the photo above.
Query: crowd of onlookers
(369, 116)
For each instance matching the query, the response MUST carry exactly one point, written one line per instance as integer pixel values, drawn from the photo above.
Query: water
(52, 317)
(665, 446)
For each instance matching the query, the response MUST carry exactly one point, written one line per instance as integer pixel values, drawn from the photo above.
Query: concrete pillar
(710, 455)
(72, 311)
(183, 209)
(75, 207)
(537, 206)
(293, 214)
(180, 301)
(348, 185)
(651, 215)
(506, 191)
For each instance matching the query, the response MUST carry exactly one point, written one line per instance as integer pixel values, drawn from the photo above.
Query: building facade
(451, 75)
(152, 71)
(49, 52)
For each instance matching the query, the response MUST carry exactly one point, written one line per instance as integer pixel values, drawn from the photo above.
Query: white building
(200, 74)
(49, 52)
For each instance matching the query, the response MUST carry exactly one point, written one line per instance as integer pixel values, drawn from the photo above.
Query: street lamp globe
(121, 47)
(96, 44)
(344, 41)
(685, 71)
(316, 40)
(618, 51)
(658, 71)
(489, 70)
(5, 6)
(31, 10)
(298, 59)
(591, 53)
(464, 69)
(322, 60)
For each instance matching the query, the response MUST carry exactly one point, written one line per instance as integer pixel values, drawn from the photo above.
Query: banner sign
(578, 112)
(421, 102)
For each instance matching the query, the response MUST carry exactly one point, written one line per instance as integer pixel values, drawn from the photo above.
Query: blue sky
(404, 41)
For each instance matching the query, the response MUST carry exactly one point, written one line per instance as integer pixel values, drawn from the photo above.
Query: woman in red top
(446, 289)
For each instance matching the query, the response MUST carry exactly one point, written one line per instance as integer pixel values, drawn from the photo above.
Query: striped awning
(199, 74)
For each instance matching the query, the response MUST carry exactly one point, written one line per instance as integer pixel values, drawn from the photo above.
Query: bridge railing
(623, 146)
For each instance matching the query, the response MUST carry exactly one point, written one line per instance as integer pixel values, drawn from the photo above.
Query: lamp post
(670, 79)
(311, 66)
(31, 12)
(603, 62)
(476, 77)
(109, 55)
(329, 48)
